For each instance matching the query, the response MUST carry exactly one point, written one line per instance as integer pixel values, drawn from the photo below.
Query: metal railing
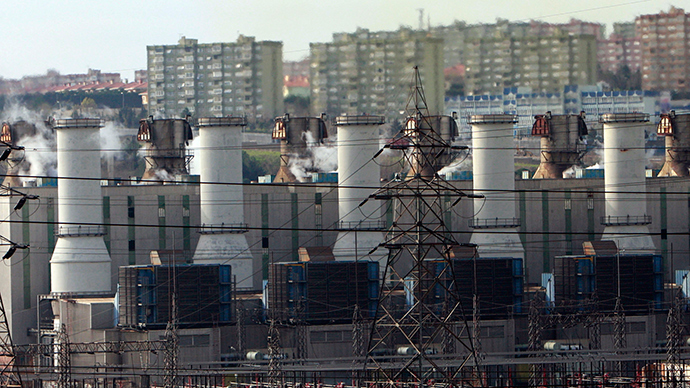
(359, 120)
(238, 227)
(626, 220)
(361, 225)
(493, 223)
(80, 231)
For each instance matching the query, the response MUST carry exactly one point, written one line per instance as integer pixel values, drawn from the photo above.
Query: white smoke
(599, 152)
(571, 172)
(40, 158)
(460, 163)
(163, 175)
(112, 135)
(318, 158)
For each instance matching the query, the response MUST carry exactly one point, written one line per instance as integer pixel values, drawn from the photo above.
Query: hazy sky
(72, 36)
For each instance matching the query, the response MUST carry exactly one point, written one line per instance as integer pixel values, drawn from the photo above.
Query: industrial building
(217, 79)
(89, 238)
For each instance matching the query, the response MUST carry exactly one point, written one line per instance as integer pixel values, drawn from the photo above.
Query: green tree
(256, 163)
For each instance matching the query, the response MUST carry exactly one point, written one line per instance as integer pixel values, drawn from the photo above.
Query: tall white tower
(80, 261)
(493, 166)
(358, 176)
(626, 217)
(222, 239)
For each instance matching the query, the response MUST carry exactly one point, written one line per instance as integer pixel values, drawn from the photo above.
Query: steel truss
(419, 266)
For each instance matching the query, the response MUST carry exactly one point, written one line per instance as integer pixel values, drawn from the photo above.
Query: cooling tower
(676, 129)
(358, 176)
(165, 146)
(222, 239)
(295, 134)
(80, 262)
(493, 166)
(561, 147)
(626, 216)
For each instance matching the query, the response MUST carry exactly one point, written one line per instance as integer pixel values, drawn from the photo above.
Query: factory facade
(243, 78)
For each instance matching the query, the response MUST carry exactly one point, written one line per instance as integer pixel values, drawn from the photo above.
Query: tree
(127, 117)
(622, 79)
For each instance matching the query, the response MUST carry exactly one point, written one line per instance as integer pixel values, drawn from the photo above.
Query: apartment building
(665, 44)
(542, 56)
(621, 48)
(244, 78)
(371, 72)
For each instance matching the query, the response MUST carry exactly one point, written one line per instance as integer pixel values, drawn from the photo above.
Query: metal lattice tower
(593, 324)
(535, 327)
(419, 262)
(172, 342)
(64, 362)
(357, 333)
(300, 330)
(447, 340)
(476, 325)
(674, 339)
(357, 343)
(9, 375)
(619, 339)
(275, 372)
(241, 330)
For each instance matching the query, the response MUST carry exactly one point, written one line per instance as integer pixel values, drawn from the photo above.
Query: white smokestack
(222, 240)
(626, 217)
(80, 261)
(493, 167)
(360, 226)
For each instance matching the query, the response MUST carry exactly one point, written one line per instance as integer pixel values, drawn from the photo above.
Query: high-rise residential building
(542, 56)
(665, 44)
(371, 72)
(244, 78)
(621, 48)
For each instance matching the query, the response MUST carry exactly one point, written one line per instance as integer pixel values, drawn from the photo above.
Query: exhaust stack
(222, 239)
(561, 147)
(80, 261)
(423, 165)
(360, 227)
(165, 142)
(11, 135)
(493, 168)
(676, 129)
(294, 133)
(626, 216)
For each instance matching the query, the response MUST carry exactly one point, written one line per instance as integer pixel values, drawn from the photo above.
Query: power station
(257, 282)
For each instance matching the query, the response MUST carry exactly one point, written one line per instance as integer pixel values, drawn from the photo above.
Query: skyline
(73, 36)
